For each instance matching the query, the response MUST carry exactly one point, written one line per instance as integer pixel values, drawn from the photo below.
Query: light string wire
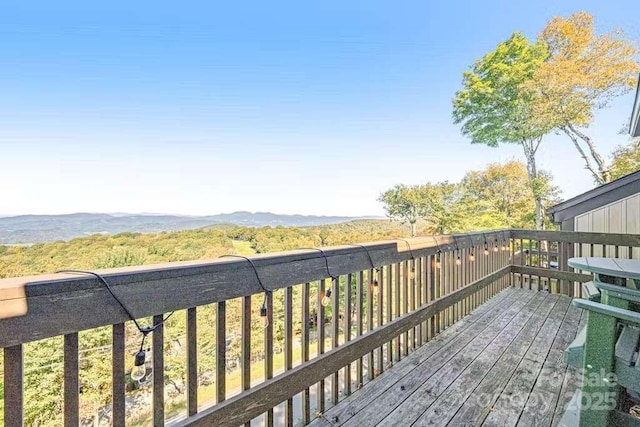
(144, 330)
(267, 291)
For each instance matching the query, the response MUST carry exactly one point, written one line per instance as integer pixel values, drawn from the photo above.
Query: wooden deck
(500, 366)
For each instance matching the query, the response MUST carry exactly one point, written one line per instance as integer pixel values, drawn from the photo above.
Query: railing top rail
(57, 304)
(614, 239)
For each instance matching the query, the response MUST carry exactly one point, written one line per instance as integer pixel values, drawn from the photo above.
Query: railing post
(71, 386)
(158, 371)
(13, 386)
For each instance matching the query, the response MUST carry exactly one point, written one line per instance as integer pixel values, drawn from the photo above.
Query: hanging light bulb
(412, 272)
(486, 248)
(458, 260)
(139, 369)
(438, 260)
(495, 247)
(374, 282)
(264, 311)
(504, 246)
(326, 299)
(472, 257)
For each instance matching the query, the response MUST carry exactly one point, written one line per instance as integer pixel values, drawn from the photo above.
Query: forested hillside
(43, 359)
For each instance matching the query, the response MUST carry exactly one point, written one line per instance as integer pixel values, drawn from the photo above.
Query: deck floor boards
(502, 365)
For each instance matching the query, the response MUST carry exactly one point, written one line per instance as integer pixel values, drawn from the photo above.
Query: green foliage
(498, 196)
(403, 202)
(626, 160)
(43, 359)
(493, 105)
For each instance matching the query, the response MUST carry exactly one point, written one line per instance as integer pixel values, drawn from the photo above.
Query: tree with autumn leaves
(497, 196)
(524, 90)
(583, 72)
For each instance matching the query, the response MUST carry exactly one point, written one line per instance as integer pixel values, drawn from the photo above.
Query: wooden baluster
(347, 330)
(118, 386)
(431, 330)
(405, 304)
(71, 385)
(418, 300)
(157, 347)
(396, 298)
(288, 349)
(359, 329)
(379, 307)
(245, 366)
(268, 349)
(13, 386)
(389, 313)
(320, 392)
(370, 293)
(425, 295)
(306, 403)
(192, 362)
(411, 299)
(221, 351)
(335, 331)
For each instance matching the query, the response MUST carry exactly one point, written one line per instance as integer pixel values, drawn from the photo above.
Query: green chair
(607, 351)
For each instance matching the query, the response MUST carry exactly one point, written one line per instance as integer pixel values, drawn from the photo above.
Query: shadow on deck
(500, 366)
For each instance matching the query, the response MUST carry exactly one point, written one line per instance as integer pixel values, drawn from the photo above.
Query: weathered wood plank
(320, 391)
(433, 382)
(118, 375)
(447, 404)
(268, 348)
(13, 386)
(71, 381)
(572, 381)
(157, 346)
(304, 351)
(244, 407)
(543, 399)
(335, 331)
(245, 356)
(479, 404)
(450, 338)
(507, 409)
(579, 237)
(192, 361)
(554, 274)
(288, 348)
(221, 351)
(57, 303)
(347, 331)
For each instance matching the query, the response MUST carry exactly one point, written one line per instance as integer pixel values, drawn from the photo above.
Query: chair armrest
(627, 316)
(621, 292)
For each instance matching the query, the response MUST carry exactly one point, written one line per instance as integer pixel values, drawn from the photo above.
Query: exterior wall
(622, 216)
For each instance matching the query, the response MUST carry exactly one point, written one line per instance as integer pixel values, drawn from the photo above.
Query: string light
(374, 277)
(486, 246)
(472, 257)
(504, 242)
(458, 260)
(264, 312)
(438, 252)
(325, 299)
(412, 270)
(139, 370)
(264, 309)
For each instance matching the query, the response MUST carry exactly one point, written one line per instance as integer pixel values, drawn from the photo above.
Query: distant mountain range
(25, 229)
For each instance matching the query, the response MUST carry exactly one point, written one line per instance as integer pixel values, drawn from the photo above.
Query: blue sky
(290, 107)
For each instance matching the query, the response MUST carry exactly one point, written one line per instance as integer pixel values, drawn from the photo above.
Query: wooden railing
(308, 356)
(540, 257)
(423, 286)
